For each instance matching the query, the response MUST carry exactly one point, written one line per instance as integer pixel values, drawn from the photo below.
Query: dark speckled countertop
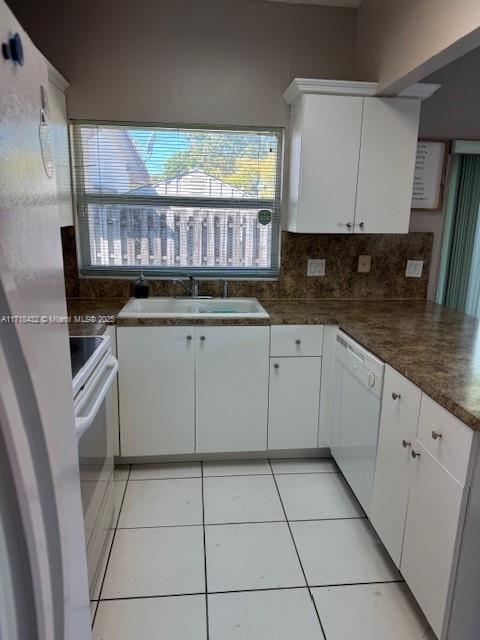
(90, 317)
(437, 349)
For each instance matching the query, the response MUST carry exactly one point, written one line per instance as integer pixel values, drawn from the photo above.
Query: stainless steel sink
(193, 308)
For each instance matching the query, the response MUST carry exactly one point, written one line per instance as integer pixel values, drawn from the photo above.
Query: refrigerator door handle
(83, 422)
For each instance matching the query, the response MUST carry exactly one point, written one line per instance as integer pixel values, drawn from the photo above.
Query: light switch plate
(316, 267)
(364, 264)
(414, 269)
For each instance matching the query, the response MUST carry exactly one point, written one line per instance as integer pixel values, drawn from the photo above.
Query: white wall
(188, 61)
(454, 110)
(431, 222)
(401, 41)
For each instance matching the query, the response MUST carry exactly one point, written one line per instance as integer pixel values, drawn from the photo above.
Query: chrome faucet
(192, 290)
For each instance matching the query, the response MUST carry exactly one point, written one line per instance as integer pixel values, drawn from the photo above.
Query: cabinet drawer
(402, 398)
(445, 437)
(296, 340)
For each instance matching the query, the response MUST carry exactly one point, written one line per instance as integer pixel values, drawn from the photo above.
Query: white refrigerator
(43, 573)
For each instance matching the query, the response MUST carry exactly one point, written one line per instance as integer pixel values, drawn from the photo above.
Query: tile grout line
(205, 555)
(123, 498)
(355, 584)
(155, 596)
(234, 475)
(254, 590)
(302, 473)
(230, 475)
(259, 589)
(113, 540)
(298, 554)
(97, 602)
(227, 524)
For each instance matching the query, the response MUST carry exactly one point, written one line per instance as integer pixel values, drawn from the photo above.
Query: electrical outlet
(364, 264)
(414, 269)
(316, 267)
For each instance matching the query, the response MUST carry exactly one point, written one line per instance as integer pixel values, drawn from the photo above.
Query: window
(177, 199)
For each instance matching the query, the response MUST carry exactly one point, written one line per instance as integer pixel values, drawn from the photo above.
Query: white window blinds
(177, 199)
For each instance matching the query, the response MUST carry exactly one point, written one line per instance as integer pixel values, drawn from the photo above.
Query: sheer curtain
(459, 278)
(472, 305)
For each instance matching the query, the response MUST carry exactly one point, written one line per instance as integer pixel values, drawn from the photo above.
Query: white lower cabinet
(392, 482)
(434, 519)
(417, 510)
(294, 401)
(207, 389)
(157, 390)
(187, 389)
(232, 388)
(419, 503)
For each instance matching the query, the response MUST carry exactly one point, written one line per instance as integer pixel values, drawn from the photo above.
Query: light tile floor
(247, 550)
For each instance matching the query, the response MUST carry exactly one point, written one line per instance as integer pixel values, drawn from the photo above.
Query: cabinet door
(435, 513)
(387, 162)
(330, 145)
(388, 512)
(157, 390)
(232, 388)
(294, 401)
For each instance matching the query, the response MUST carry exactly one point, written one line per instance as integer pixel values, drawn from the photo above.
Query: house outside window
(173, 200)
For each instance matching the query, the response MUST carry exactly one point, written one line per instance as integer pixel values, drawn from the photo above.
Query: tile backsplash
(389, 255)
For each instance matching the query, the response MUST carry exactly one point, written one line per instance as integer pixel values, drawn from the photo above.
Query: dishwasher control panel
(368, 369)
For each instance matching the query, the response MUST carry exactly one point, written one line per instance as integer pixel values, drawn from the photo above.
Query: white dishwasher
(358, 384)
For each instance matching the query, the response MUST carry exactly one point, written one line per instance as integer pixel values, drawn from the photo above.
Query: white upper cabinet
(387, 162)
(352, 157)
(324, 163)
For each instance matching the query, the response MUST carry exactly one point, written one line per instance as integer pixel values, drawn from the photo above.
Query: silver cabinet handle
(396, 396)
(202, 338)
(406, 444)
(436, 435)
(276, 366)
(415, 454)
(189, 338)
(298, 341)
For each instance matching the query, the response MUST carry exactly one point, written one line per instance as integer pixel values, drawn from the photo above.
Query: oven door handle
(83, 422)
